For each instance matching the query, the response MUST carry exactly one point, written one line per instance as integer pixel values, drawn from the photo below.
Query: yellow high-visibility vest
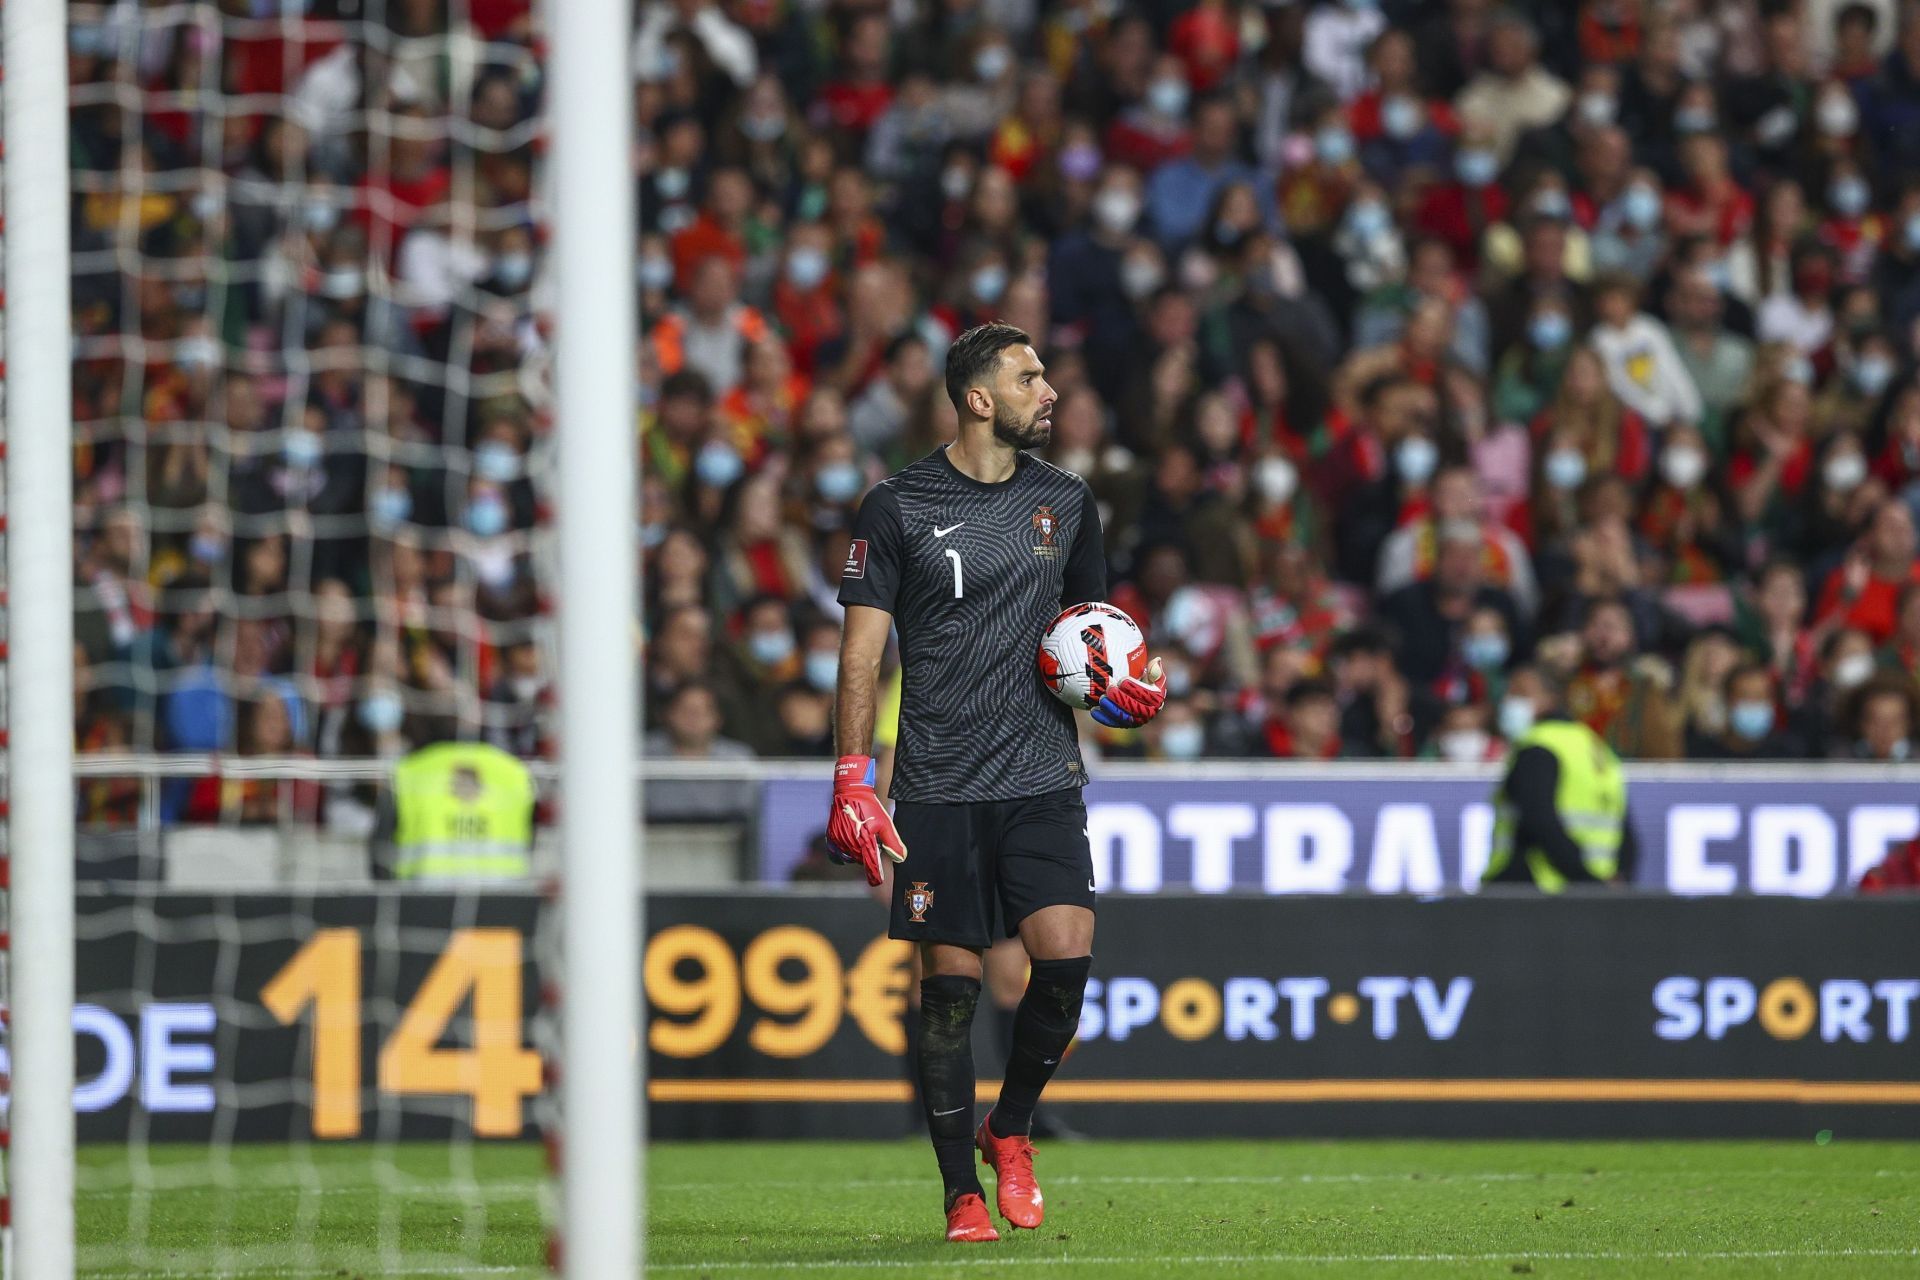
(1590, 797)
(463, 811)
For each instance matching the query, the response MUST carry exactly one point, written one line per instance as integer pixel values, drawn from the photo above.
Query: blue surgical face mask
(837, 481)
(770, 648)
(671, 184)
(806, 267)
(1550, 330)
(1751, 721)
(1565, 468)
(652, 535)
(1476, 167)
(1415, 458)
(514, 269)
(1516, 717)
(989, 282)
(1871, 374)
(1167, 97)
(1485, 651)
(207, 548)
(318, 216)
(1400, 117)
(382, 712)
(1642, 207)
(302, 448)
(1693, 120)
(487, 517)
(823, 670)
(1334, 145)
(1183, 741)
(1368, 218)
(1848, 195)
(718, 465)
(390, 507)
(655, 272)
(496, 461)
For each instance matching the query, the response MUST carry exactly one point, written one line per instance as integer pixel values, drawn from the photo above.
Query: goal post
(601, 1082)
(39, 657)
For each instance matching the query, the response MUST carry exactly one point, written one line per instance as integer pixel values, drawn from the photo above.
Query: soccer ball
(1088, 646)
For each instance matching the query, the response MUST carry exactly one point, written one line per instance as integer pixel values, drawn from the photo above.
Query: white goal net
(313, 449)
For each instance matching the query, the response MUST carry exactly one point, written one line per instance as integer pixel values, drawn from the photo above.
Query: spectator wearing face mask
(1178, 733)
(1462, 737)
(1529, 373)
(1431, 615)
(1686, 518)
(1755, 727)
(1880, 717)
(1643, 368)
(1398, 126)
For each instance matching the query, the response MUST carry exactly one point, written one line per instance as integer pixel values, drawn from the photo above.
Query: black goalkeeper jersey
(972, 574)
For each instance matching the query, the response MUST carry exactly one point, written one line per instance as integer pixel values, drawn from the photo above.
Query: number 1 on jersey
(955, 557)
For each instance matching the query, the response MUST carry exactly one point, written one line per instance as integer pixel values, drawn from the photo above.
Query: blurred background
(1403, 345)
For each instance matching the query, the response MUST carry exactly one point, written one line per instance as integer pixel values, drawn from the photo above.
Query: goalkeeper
(970, 552)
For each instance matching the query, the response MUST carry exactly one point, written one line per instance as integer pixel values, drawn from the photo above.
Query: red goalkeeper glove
(1131, 702)
(858, 829)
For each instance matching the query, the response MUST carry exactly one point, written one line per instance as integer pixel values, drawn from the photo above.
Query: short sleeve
(1086, 575)
(871, 575)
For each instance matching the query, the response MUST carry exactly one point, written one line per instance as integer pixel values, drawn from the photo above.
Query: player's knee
(1060, 986)
(947, 1002)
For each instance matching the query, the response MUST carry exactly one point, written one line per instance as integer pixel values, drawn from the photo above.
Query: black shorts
(963, 860)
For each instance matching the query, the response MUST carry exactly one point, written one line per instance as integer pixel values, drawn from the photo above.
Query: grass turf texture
(1117, 1211)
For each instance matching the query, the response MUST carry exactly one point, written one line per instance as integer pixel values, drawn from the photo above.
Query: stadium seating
(1402, 344)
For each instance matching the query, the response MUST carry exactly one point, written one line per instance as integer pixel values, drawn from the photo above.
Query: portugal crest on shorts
(1044, 527)
(919, 901)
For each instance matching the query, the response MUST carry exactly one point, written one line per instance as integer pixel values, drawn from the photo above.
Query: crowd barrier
(415, 1015)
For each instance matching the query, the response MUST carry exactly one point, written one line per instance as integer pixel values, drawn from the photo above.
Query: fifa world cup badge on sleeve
(856, 566)
(919, 901)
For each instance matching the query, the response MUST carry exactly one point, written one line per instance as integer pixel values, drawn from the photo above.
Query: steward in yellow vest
(462, 811)
(1561, 811)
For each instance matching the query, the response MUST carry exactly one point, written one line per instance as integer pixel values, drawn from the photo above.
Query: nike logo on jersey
(938, 532)
(1090, 888)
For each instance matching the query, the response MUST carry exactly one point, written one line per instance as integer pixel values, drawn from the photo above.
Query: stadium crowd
(1404, 345)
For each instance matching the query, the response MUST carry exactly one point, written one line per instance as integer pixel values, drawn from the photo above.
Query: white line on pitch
(1249, 1259)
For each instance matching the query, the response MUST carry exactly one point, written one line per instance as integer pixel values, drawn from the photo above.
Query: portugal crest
(919, 902)
(1044, 528)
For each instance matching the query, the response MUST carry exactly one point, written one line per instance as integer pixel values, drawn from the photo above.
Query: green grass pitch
(1115, 1211)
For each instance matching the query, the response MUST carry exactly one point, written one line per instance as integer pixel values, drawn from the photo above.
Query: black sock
(911, 1062)
(1003, 1030)
(1043, 1027)
(946, 1077)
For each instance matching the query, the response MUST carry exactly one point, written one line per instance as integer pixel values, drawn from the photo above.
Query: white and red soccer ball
(1088, 647)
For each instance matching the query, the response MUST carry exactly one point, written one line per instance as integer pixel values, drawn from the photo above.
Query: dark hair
(688, 384)
(1863, 14)
(1741, 670)
(975, 356)
(1306, 690)
(901, 343)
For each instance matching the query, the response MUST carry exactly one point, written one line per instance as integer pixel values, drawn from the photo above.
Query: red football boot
(1011, 1160)
(968, 1222)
